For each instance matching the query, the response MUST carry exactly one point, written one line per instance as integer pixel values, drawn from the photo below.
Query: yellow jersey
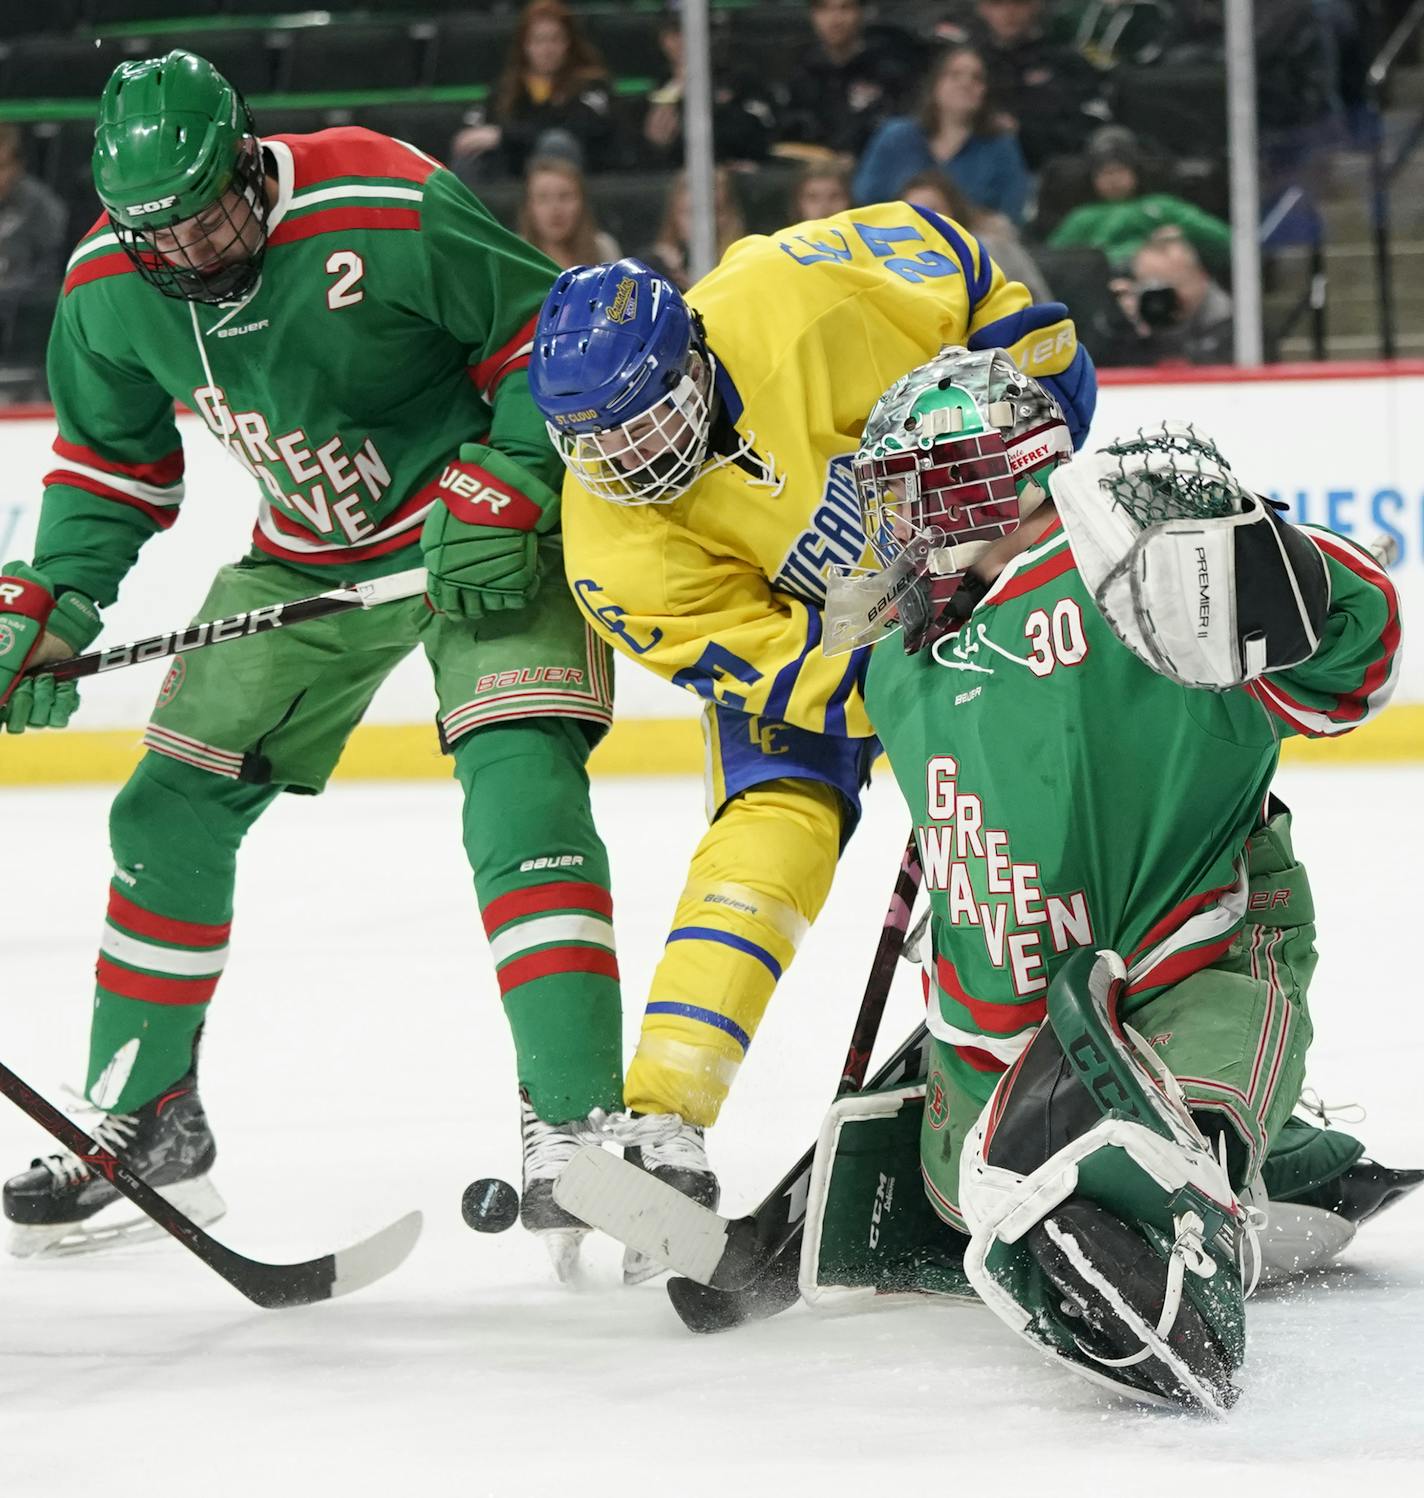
(721, 590)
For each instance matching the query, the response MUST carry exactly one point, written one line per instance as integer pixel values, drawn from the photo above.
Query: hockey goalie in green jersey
(1082, 672)
(353, 327)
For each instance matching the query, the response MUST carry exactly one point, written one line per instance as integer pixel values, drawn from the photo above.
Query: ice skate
(61, 1205)
(676, 1153)
(547, 1149)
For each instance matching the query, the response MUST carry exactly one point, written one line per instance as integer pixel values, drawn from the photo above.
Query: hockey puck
(490, 1205)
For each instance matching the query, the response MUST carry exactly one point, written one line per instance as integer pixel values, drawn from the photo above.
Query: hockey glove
(35, 628)
(481, 541)
(1198, 578)
(1043, 342)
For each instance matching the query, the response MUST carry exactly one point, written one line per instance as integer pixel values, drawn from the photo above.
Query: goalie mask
(955, 455)
(178, 166)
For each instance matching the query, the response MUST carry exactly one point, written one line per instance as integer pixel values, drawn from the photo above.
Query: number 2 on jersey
(348, 268)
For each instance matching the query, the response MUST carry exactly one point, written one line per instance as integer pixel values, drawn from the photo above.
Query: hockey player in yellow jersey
(707, 500)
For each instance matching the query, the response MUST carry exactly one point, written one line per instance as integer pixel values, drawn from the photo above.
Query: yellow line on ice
(636, 746)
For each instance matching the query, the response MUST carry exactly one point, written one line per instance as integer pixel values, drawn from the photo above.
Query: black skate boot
(547, 1149)
(1115, 1288)
(62, 1206)
(676, 1153)
(1363, 1191)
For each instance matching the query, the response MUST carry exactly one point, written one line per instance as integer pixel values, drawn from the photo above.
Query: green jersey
(392, 323)
(1066, 795)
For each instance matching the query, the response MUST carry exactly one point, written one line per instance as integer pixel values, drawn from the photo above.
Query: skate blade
(116, 1224)
(638, 1268)
(562, 1246)
(1297, 1239)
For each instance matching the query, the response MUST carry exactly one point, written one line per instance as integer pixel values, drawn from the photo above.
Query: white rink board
(1343, 452)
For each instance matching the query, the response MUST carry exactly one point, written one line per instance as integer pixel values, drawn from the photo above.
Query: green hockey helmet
(955, 455)
(178, 166)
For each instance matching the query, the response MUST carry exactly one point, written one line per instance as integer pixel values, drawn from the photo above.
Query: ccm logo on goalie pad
(476, 497)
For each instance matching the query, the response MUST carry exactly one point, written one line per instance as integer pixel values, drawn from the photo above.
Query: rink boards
(1336, 443)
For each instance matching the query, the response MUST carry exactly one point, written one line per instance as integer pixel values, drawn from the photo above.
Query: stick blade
(375, 1257)
(648, 1215)
(280, 1287)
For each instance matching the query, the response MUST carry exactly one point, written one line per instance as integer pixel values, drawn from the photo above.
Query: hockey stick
(409, 584)
(738, 1263)
(271, 1286)
(778, 1220)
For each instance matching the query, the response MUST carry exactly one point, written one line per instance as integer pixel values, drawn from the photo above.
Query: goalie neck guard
(955, 455)
(178, 167)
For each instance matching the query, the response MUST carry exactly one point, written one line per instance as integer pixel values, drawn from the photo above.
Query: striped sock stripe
(565, 894)
(551, 930)
(137, 921)
(727, 939)
(705, 1016)
(173, 962)
(554, 962)
(128, 983)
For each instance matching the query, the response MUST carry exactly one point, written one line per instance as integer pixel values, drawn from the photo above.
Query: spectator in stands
(552, 99)
(669, 252)
(935, 191)
(742, 115)
(823, 188)
(954, 132)
(1123, 218)
(851, 78)
(1174, 311)
(1046, 92)
(555, 215)
(32, 222)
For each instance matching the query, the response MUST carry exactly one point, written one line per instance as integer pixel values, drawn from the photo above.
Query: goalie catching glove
(481, 540)
(1201, 580)
(35, 627)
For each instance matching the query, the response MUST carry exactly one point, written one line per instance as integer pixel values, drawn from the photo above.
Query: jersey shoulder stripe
(1050, 558)
(348, 151)
(96, 256)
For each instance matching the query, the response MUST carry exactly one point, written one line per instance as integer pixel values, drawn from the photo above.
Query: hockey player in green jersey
(378, 397)
(1100, 659)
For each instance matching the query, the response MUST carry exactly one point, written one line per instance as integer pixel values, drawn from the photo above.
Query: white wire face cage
(653, 457)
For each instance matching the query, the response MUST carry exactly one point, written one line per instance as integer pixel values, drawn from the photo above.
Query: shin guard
(541, 875)
(175, 832)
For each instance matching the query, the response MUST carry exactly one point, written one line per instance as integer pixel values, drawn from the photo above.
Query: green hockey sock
(541, 875)
(175, 832)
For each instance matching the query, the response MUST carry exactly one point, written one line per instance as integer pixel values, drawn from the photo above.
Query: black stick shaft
(100, 1160)
(234, 627)
(882, 971)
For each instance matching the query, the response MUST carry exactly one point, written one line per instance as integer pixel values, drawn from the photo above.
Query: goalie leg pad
(1089, 1126)
(870, 1228)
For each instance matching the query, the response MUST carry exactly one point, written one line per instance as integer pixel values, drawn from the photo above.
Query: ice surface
(358, 1066)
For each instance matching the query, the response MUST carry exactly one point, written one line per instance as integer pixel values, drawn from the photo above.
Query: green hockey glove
(35, 628)
(481, 541)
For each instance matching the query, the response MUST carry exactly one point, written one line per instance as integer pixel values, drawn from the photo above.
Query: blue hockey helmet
(624, 381)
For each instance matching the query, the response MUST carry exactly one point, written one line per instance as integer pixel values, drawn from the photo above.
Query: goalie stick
(408, 584)
(271, 1286)
(747, 1268)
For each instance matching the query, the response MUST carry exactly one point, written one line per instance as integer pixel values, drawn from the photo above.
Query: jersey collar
(281, 154)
